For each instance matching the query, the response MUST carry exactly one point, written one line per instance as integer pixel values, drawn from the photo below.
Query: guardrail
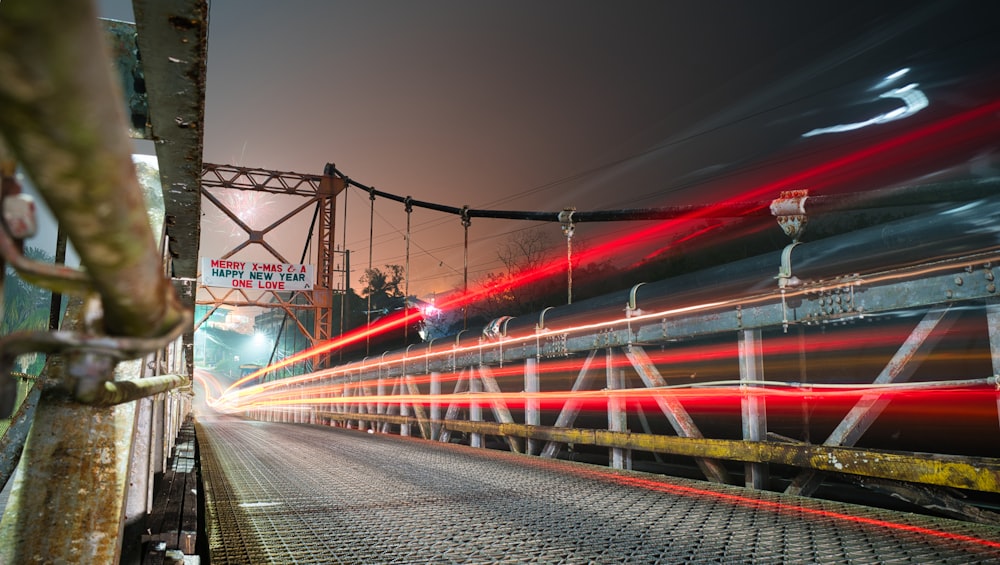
(665, 337)
(109, 400)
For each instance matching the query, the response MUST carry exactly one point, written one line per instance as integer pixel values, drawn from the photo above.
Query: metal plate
(285, 493)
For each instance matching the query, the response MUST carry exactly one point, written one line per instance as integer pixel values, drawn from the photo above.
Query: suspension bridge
(828, 400)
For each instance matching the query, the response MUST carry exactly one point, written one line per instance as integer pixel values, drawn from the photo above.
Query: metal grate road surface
(286, 493)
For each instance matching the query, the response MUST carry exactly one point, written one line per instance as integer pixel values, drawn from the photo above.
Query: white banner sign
(256, 276)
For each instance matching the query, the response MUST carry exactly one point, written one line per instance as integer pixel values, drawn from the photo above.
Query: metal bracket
(786, 279)
(790, 210)
(566, 219)
(497, 329)
(18, 222)
(90, 361)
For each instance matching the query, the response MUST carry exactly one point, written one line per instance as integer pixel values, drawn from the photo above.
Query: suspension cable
(371, 238)
(284, 318)
(910, 195)
(406, 284)
(466, 221)
(347, 273)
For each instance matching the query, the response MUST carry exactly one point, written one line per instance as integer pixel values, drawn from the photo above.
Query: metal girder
(54, 66)
(321, 192)
(617, 412)
(461, 385)
(571, 407)
(907, 358)
(532, 414)
(753, 407)
(173, 42)
(678, 417)
(993, 327)
(825, 302)
(46, 514)
(972, 473)
(500, 410)
(418, 410)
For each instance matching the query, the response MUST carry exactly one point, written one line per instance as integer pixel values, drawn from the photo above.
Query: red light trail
(822, 176)
(782, 508)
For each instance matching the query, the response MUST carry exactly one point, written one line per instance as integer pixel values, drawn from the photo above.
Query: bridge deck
(285, 493)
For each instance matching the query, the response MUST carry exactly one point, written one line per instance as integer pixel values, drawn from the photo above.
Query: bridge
(831, 400)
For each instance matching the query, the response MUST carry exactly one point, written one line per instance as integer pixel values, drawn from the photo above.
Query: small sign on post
(250, 275)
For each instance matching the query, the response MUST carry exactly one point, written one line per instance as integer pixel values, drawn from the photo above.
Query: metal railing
(657, 342)
(111, 398)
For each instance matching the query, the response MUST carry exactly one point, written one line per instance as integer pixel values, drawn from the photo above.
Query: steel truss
(940, 289)
(319, 191)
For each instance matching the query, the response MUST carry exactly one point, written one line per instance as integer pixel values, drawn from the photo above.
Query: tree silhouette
(382, 285)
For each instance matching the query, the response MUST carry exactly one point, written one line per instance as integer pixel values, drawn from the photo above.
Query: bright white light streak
(914, 100)
(891, 78)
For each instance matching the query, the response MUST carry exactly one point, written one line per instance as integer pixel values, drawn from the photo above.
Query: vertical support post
(157, 461)
(380, 391)
(617, 417)
(40, 519)
(326, 209)
(532, 414)
(435, 405)
(139, 493)
(346, 406)
(404, 407)
(993, 323)
(475, 408)
(566, 219)
(466, 222)
(752, 405)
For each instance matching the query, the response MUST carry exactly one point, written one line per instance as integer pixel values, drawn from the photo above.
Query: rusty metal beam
(993, 325)
(753, 408)
(12, 441)
(678, 417)
(500, 410)
(173, 42)
(904, 362)
(968, 473)
(571, 408)
(63, 119)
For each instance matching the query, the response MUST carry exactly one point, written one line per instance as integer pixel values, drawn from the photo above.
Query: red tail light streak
(908, 147)
(775, 506)
(865, 346)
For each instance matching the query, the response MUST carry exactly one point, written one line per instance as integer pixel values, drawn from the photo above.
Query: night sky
(544, 105)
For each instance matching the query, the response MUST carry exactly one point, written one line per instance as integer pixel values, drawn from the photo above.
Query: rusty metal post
(63, 119)
(475, 408)
(617, 413)
(753, 409)
(46, 515)
(993, 323)
(532, 410)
